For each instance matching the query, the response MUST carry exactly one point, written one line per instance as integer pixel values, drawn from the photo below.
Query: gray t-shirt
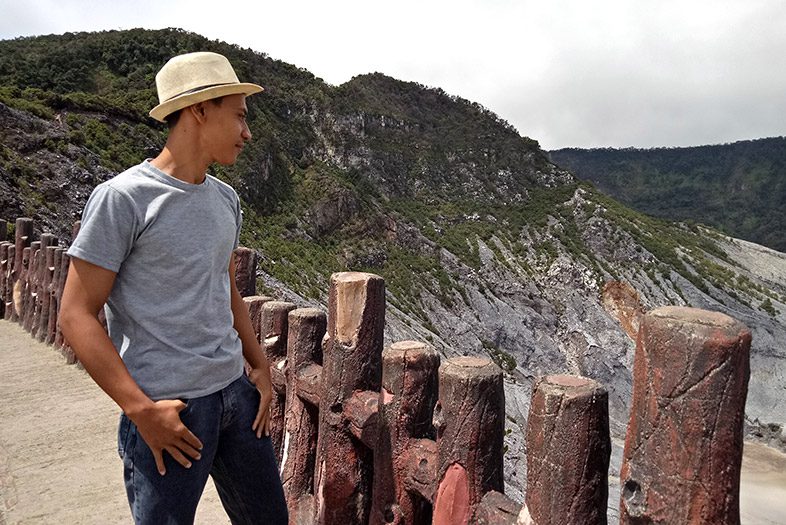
(169, 312)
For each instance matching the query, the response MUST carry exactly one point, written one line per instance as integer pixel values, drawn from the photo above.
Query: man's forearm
(98, 355)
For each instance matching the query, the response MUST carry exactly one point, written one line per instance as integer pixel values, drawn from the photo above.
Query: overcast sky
(578, 73)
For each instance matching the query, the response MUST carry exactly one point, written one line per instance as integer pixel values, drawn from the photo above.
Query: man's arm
(86, 290)
(252, 351)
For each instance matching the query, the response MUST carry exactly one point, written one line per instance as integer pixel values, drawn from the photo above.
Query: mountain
(738, 188)
(486, 246)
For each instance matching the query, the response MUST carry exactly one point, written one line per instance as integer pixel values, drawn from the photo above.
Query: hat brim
(161, 111)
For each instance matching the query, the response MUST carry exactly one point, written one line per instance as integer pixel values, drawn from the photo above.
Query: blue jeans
(243, 467)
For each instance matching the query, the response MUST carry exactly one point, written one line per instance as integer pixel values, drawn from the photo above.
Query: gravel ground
(58, 442)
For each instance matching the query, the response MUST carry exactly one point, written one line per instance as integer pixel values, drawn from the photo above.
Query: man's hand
(160, 426)
(261, 379)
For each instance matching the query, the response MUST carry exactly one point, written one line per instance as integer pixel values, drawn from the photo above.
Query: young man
(156, 245)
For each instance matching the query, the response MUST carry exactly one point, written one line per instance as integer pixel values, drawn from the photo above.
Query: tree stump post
(41, 327)
(31, 286)
(406, 404)
(23, 236)
(683, 448)
(470, 425)
(9, 283)
(246, 271)
(307, 327)
(54, 300)
(568, 451)
(352, 363)
(60, 341)
(5, 277)
(37, 291)
(254, 304)
(273, 330)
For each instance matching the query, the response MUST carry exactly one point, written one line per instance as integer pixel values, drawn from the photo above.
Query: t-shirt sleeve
(238, 222)
(109, 225)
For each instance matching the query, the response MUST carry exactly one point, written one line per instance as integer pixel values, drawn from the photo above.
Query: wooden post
(406, 404)
(60, 341)
(31, 286)
(54, 299)
(39, 297)
(568, 451)
(254, 304)
(5, 277)
(246, 271)
(9, 283)
(23, 234)
(41, 328)
(356, 321)
(273, 330)
(304, 351)
(683, 449)
(470, 425)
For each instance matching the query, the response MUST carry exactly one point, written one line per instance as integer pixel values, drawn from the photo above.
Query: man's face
(225, 131)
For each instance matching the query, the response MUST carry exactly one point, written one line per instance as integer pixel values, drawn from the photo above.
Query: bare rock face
(622, 301)
(683, 449)
(568, 449)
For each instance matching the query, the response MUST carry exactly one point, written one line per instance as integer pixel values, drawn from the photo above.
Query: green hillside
(739, 188)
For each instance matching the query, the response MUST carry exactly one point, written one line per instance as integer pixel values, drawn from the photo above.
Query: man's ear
(198, 111)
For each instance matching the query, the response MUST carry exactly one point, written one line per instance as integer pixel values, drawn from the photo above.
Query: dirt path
(59, 463)
(58, 442)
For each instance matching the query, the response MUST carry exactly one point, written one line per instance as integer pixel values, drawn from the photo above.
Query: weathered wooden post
(60, 341)
(683, 448)
(39, 281)
(351, 368)
(470, 427)
(21, 286)
(406, 404)
(41, 327)
(568, 451)
(23, 234)
(5, 276)
(246, 271)
(273, 331)
(54, 299)
(9, 283)
(254, 304)
(307, 328)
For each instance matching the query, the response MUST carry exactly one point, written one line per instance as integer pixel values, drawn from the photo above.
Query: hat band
(198, 88)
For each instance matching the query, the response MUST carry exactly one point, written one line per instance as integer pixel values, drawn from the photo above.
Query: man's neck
(180, 165)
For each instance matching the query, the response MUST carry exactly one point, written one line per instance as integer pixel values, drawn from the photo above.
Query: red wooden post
(5, 277)
(246, 271)
(23, 234)
(304, 353)
(356, 321)
(406, 403)
(273, 330)
(470, 427)
(568, 451)
(683, 449)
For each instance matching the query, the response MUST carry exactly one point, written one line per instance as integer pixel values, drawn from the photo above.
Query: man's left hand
(261, 379)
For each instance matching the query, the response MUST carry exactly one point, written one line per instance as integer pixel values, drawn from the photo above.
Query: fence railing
(397, 436)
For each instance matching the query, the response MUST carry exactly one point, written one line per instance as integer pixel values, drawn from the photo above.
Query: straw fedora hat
(195, 77)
